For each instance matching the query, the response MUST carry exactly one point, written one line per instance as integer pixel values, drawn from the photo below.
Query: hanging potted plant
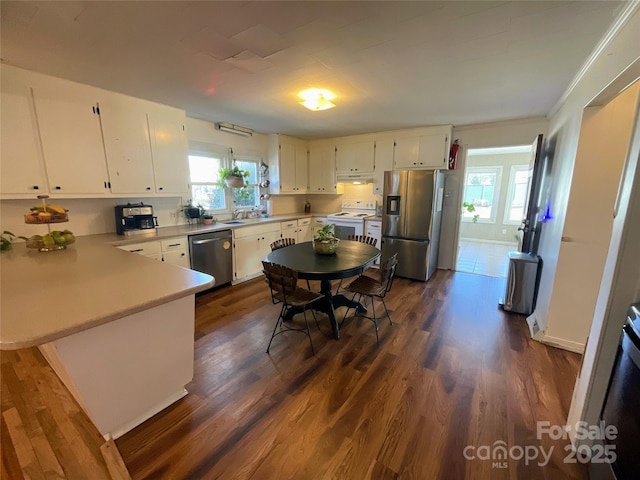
(232, 177)
(325, 241)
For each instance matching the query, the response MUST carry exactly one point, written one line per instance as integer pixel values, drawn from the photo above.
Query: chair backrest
(363, 239)
(283, 242)
(281, 280)
(388, 271)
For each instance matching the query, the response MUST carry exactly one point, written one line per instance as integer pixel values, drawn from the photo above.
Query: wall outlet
(173, 215)
(504, 231)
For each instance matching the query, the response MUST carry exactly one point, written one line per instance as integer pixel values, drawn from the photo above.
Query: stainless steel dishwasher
(211, 253)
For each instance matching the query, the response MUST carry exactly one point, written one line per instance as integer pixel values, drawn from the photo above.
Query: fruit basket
(47, 214)
(36, 217)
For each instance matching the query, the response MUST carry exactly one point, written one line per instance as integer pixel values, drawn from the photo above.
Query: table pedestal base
(328, 306)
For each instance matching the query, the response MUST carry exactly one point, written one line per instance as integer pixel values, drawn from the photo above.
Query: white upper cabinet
(322, 169)
(288, 165)
(384, 162)
(355, 157)
(126, 141)
(71, 138)
(429, 149)
(22, 169)
(169, 149)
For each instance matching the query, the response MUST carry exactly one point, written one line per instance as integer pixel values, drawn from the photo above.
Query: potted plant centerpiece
(193, 211)
(325, 241)
(233, 177)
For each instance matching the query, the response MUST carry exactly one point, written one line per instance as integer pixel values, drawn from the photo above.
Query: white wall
(498, 134)
(621, 51)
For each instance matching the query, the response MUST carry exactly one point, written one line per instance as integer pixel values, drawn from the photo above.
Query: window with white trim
(482, 190)
(517, 194)
(203, 169)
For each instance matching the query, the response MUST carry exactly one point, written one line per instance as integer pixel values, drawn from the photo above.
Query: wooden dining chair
(283, 285)
(362, 239)
(373, 288)
(283, 242)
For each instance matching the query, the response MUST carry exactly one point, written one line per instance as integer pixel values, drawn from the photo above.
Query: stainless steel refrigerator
(411, 216)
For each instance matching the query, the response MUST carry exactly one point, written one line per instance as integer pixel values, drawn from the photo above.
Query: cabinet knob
(148, 188)
(35, 187)
(160, 188)
(58, 187)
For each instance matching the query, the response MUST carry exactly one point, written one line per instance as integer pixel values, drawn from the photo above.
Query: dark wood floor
(452, 371)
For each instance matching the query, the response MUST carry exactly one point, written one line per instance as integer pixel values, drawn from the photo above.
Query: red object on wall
(453, 154)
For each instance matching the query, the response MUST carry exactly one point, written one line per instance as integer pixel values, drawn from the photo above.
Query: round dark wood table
(350, 259)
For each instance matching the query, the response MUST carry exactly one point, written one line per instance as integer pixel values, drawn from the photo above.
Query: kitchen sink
(234, 222)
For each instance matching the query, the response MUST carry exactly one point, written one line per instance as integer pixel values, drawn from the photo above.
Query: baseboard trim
(564, 344)
(495, 242)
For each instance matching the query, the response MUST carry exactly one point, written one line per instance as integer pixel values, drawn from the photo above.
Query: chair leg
(375, 320)
(304, 312)
(278, 322)
(385, 309)
(347, 311)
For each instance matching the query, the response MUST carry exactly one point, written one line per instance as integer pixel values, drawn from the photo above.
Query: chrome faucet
(237, 213)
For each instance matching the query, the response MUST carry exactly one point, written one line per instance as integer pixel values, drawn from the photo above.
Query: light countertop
(50, 295)
(179, 230)
(47, 296)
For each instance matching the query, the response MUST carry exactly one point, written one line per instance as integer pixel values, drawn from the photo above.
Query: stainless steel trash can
(522, 283)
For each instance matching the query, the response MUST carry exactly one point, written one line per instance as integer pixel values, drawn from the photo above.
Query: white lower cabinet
(176, 251)
(373, 228)
(250, 246)
(171, 250)
(299, 230)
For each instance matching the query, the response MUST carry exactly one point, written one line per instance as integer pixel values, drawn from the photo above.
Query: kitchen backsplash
(88, 216)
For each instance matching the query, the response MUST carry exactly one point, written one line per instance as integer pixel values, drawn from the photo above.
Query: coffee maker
(135, 218)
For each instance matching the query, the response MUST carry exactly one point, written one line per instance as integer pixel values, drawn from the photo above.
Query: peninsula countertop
(48, 296)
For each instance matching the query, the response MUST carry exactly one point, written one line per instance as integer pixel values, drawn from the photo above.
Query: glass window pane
(210, 197)
(204, 169)
(251, 167)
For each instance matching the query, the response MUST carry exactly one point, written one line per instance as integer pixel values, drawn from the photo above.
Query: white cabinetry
(304, 230)
(384, 162)
(22, 169)
(373, 228)
(171, 250)
(299, 230)
(355, 158)
(251, 244)
(151, 249)
(169, 148)
(71, 138)
(322, 169)
(427, 149)
(288, 164)
(176, 251)
(126, 141)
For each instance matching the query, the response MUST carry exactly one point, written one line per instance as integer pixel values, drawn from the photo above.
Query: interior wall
(605, 134)
(497, 134)
(620, 52)
(493, 232)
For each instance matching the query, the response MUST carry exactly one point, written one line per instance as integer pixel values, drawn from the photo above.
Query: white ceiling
(391, 64)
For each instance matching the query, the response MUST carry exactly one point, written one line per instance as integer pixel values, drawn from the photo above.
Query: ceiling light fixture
(235, 129)
(316, 99)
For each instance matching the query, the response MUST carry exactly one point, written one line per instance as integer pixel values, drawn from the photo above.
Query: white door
(71, 139)
(169, 148)
(287, 167)
(22, 167)
(126, 141)
(322, 169)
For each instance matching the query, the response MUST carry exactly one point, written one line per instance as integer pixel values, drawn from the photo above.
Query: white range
(350, 221)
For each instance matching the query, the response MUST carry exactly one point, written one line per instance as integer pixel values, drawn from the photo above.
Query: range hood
(355, 177)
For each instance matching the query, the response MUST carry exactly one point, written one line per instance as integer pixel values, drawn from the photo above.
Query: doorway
(494, 194)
